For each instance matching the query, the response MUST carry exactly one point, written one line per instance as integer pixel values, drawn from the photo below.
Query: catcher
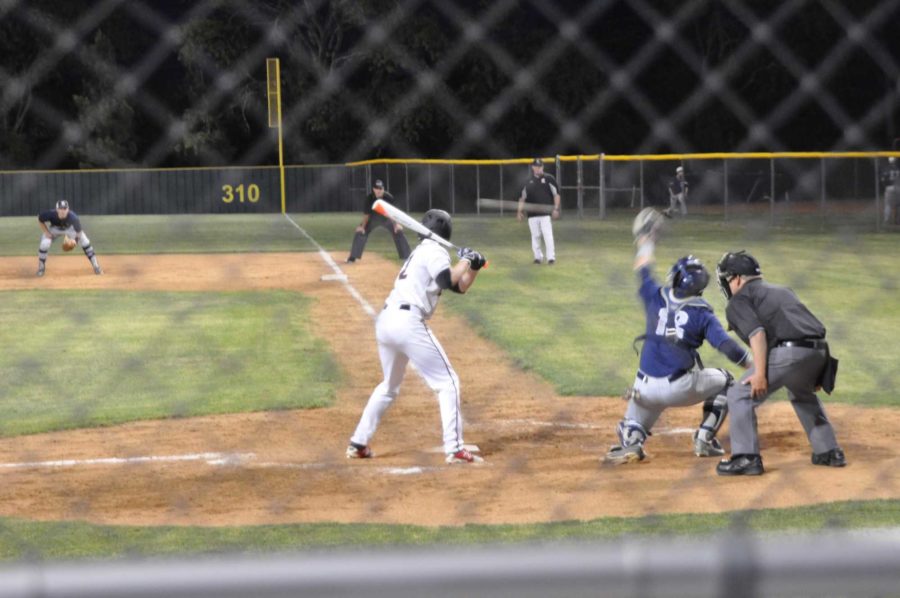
(63, 222)
(671, 374)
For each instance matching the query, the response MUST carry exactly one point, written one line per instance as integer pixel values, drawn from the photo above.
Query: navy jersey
(678, 186)
(676, 328)
(51, 217)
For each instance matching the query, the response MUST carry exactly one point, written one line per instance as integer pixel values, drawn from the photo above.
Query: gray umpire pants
(359, 239)
(797, 369)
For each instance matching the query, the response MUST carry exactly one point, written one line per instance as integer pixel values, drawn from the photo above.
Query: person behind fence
(678, 192)
(540, 190)
(371, 219)
(789, 350)
(63, 222)
(671, 374)
(890, 181)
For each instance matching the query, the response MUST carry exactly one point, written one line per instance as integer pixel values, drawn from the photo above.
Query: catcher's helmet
(737, 263)
(438, 222)
(688, 277)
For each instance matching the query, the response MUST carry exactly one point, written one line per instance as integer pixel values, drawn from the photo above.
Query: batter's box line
(571, 426)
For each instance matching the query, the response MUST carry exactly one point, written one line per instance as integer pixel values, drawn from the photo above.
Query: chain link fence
(139, 107)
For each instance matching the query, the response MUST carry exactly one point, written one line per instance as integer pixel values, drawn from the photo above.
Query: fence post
(641, 162)
(772, 190)
(477, 189)
(368, 177)
(429, 185)
(580, 186)
(725, 182)
(500, 167)
(822, 172)
(406, 174)
(602, 185)
(452, 190)
(877, 198)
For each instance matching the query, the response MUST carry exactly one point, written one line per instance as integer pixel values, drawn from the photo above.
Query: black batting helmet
(735, 263)
(438, 222)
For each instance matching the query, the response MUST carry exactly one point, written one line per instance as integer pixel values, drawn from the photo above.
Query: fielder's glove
(69, 244)
(648, 223)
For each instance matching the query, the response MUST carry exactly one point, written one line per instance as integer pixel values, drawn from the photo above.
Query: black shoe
(833, 458)
(538, 262)
(350, 260)
(740, 465)
(551, 262)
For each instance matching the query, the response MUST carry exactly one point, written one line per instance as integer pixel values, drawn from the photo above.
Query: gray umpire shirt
(774, 309)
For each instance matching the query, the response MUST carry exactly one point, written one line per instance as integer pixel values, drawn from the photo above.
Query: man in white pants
(63, 222)
(540, 190)
(403, 336)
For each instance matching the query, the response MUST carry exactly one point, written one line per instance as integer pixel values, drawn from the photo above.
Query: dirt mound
(542, 450)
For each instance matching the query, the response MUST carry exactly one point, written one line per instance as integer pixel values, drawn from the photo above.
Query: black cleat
(833, 458)
(551, 262)
(538, 262)
(741, 465)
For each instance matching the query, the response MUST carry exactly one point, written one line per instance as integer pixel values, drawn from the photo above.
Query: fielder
(890, 180)
(678, 191)
(403, 336)
(63, 222)
(671, 374)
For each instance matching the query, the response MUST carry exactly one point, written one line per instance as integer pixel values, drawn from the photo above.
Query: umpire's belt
(671, 377)
(812, 343)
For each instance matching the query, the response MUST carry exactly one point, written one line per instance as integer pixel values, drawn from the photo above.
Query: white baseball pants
(404, 337)
(542, 226)
(677, 201)
(657, 394)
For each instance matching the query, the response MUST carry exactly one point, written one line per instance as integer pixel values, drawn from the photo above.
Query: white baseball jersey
(416, 285)
(404, 337)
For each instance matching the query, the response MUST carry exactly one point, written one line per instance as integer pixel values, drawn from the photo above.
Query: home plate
(334, 277)
(472, 448)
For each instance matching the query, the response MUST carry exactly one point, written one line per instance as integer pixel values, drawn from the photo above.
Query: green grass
(573, 323)
(101, 357)
(20, 539)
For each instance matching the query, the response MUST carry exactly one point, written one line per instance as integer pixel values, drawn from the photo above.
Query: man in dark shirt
(890, 182)
(63, 222)
(678, 190)
(371, 219)
(789, 350)
(541, 191)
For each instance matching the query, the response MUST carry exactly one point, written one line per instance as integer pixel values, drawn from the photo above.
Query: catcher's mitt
(69, 244)
(647, 222)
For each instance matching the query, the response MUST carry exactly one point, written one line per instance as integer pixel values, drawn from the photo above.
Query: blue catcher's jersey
(676, 328)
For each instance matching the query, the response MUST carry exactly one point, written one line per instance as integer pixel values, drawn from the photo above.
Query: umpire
(371, 219)
(789, 350)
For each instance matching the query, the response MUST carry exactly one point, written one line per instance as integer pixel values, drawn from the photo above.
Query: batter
(403, 336)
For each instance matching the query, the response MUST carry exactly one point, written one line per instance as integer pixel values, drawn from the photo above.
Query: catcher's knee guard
(631, 433)
(714, 412)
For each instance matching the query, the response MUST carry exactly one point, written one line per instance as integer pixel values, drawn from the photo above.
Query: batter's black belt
(812, 343)
(671, 377)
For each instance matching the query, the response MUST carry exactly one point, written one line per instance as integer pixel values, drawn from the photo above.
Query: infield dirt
(542, 450)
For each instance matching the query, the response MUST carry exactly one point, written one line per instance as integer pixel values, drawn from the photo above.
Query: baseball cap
(378, 184)
(679, 170)
(62, 205)
(537, 162)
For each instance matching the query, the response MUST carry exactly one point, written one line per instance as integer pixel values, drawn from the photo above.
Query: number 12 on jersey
(681, 318)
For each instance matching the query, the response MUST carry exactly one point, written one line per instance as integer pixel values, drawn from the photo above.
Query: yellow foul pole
(273, 87)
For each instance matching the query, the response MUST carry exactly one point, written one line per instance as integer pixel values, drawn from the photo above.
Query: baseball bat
(514, 205)
(397, 215)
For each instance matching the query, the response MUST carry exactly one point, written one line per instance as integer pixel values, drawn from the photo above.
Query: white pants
(542, 226)
(891, 199)
(56, 231)
(657, 394)
(676, 200)
(404, 337)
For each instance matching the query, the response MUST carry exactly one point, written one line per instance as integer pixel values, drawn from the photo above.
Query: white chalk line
(209, 458)
(573, 426)
(232, 460)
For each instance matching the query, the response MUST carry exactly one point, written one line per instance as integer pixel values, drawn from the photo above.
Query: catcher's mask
(732, 264)
(688, 277)
(438, 222)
